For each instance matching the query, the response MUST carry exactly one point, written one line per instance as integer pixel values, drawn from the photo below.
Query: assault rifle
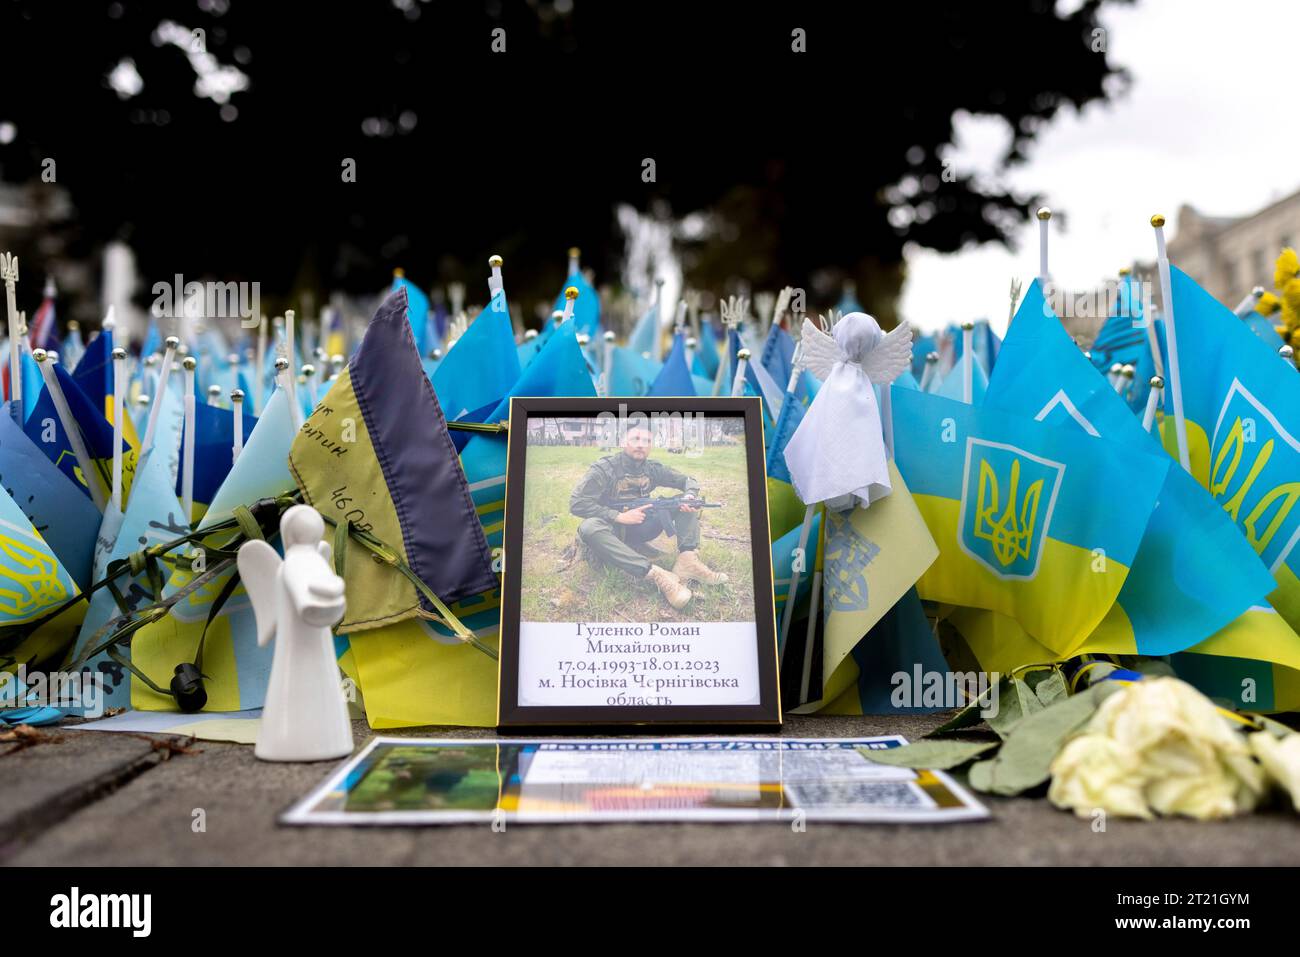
(664, 504)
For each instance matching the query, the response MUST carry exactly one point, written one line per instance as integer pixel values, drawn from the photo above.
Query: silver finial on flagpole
(309, 378)
(237, 404)
(1287, 353)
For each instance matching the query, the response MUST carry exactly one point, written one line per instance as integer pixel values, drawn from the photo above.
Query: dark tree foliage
(527, 152)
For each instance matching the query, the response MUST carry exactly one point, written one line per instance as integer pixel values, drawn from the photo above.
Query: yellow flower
(1158, 745)
(1286, 268)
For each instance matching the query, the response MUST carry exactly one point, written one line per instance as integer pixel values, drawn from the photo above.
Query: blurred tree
(224, 151)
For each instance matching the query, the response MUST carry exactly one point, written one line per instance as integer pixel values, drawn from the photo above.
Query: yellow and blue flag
(376, 452)
(1242, 408)
(56, 505)
(1193, 573)
(1012, 503)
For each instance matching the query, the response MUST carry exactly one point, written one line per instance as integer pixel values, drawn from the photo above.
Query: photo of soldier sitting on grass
(643, 520)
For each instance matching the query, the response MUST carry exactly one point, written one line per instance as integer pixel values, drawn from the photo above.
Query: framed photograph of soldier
(637, 579)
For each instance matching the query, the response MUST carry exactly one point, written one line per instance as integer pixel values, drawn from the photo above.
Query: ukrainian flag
(1242, 406)
(1013, 505)
(416, 672)
(1194, 573)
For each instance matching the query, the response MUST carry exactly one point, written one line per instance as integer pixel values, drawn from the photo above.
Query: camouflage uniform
(619, 477)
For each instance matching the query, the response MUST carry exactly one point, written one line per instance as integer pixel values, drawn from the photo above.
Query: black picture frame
(510, 714)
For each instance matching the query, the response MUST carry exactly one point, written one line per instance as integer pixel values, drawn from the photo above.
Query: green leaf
(980, 776)
(1026, 755)
(1015, 702)
(967, 717)
(936, 755)
(1051, 688)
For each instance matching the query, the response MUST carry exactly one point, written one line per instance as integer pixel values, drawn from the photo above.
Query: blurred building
(1230, 255)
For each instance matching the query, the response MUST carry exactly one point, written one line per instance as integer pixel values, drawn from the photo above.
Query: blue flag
(1193, 573)
(55, 504)
(674, 378)
(631, 373)
(479, 369)
(1242, 407)
(417, 312)
(645, 333)
(214, 428)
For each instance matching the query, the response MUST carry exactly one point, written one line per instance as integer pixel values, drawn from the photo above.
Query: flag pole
(45, 363)
(282, 377)
(237, 403)
(1153, 400)
(290, 354)
(738, 383)
(814, 609)
(171, 343)
(259, 374)
(119, 396)
(608, 359)
(187, 484)
(787, 613)
(931, 365)
(570, 295)
(657, 353)
(9, 272)
(1247, 305)
(214, 395)
(1171, 336)
(495, 284)
(1044, 216)
(968, 366)
(574, 254)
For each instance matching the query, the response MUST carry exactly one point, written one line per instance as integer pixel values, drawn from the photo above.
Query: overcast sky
(1212, 118)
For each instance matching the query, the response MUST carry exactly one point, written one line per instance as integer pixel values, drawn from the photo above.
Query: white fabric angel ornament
(297, 601)
(837, 454)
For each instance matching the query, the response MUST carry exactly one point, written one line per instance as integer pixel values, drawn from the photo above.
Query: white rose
(1093, 772)
(1281, 761)
(1170, 746)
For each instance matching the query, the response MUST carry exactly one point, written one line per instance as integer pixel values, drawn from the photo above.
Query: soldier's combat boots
(669, 585)
(690, 568)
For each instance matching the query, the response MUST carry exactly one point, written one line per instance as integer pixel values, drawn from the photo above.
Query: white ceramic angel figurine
(297, 600)
(837, 455)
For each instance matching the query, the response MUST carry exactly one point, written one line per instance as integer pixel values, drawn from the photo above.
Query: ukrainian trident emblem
(1004, 527)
